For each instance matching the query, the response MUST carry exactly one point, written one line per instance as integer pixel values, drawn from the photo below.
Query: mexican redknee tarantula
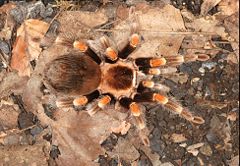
(114, 78)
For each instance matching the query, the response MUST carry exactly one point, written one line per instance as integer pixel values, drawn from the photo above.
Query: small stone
(17, 14)
(201, 70)
(232, 116)
(33, 10)
(167, 164)
(184, 145)
(183, 78)
(211, 137)
(177, 138)
(196, 79)
(11, 140)
(206, 150)
(194, 152)
(207, 92)
(209, 65)
(36, 130)
(194, 148)
(4, 47)
(47, 12)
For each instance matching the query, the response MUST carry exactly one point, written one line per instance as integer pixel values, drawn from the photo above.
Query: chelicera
(114, 78)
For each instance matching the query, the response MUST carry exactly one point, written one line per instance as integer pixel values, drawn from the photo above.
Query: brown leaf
(207, 5)
(78, 135)
(228, 7)
(153, 157)
(123, 128)
(10, 83)
(6, 21)
(232, 116)
(234, 161)
(122, 12)
(221, 130)
(177, 138)
(27, 154)
(125, 150)
(160, 28)
(26, 47)
(209, 25)
(8, 115)
(77, 24)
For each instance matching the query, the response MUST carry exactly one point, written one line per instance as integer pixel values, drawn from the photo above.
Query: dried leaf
(207, 5)
(6, 21)
(221, 130)
(194, 148)
(177, 138)
(234, 161)
(123, 128)
(232, 116)
(28, 154)
(11, 82)
(159, 28)
(8, 115)
(209, 25)
(78, 135)
(77, 24)
(125, 150)
(26, 47)
(228, 7)
(206, 150)
(153, 157)
(122, 12)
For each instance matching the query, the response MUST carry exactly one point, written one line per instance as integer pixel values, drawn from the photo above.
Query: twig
(17, 131)
(159, 32)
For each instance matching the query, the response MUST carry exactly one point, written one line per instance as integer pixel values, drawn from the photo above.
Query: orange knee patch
(159, 98)
(80, 101)
(134, 40)
(81, 46)
(111, 54)
(104, 101)
(148, 83)
(135, 109)
(157, 62)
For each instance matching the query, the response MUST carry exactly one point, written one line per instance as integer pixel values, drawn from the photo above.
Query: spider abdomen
(73, 74)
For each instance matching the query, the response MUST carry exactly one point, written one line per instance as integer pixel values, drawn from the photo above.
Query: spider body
(113, 76)
(118, 79)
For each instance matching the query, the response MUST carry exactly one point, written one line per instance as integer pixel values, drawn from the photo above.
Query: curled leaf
(26, 47)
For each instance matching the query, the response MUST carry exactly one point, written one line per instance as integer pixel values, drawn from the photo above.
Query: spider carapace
(114, 78)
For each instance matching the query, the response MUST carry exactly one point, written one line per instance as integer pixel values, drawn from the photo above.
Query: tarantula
(113, 78)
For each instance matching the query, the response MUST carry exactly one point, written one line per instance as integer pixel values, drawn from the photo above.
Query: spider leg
(149, 84)
(136, 111)
(64, 102)
(158, 71)
(133, 42)
(169, 104)
(101, 104)
(83, 47)
(111, 53)
(168, 61)
(83, 100)
(77, 102)
(79, 45)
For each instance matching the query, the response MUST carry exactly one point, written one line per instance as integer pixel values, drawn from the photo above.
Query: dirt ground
(210, 89)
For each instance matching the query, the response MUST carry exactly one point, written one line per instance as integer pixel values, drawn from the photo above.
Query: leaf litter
(78, 136)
